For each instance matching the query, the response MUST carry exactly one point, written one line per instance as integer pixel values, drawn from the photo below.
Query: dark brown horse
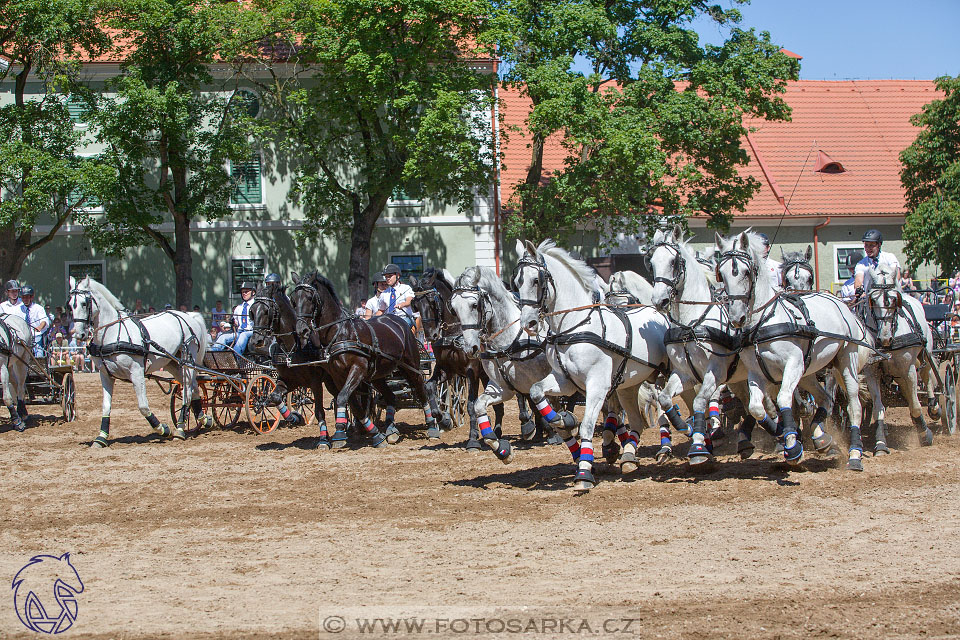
(273, 316)
(441, 327)
(358, 351)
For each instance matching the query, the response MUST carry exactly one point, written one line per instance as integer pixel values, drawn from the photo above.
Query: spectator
(182, 307)
(906, 282)
(152, 309)
(214, 334)
(66, 321)
(63, 353)
(218, 314)
(196, 308)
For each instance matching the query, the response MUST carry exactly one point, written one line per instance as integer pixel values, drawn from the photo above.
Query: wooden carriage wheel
(176, 400)
(948, 396)
(225, 404)
(261, 416)
(455, 401)
(301, 401)
(68, 397)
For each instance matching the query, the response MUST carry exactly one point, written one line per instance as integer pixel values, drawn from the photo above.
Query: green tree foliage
(168, 128)
(931, 177)
(42, 179)
(372, 97)
(657, 122)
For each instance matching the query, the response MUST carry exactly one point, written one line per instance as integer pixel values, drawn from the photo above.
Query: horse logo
(40, 576)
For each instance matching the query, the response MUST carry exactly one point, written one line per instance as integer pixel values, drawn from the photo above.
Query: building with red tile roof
(835, 165)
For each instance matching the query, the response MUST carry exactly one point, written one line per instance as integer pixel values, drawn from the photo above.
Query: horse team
(629, 347)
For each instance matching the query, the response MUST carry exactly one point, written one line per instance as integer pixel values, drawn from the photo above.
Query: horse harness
(796, 264)
(912, 339)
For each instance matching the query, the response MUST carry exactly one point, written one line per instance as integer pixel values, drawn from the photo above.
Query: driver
(872, 243)
(36, 317)
(372, 306)
(772, 265)
(397, 297)
(13, 303)
(240, 328)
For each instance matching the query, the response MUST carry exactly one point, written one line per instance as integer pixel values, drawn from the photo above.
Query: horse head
(884, 301)
(272, 315)
(738, 270)
(796, 270)
(667, 265)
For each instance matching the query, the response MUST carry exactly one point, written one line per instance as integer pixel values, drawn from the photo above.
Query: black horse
(273, 316)
(358, 351)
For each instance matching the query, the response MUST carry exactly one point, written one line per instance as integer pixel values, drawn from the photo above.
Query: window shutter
(247, 174)
(75, 108)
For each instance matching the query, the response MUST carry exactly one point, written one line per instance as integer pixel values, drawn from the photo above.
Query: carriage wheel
(261, 416)
(301, 401)
(176, 401)
(455, 400)
(68, 398)
(225, 406)
(948, 397)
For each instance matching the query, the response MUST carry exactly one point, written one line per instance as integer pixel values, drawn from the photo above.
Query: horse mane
(318, 281)
(487, 279)
(111, 299)
(882, 274)
(583, 272)
(756, 248)
(794, 256)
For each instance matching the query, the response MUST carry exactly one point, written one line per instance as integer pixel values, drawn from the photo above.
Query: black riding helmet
(271, 278)
(764, 238)
(12, 285)
(26, 290)
(378, 278)
(248, 285)
(872, 235)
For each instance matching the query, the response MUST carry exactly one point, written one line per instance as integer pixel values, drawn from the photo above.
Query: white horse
(602, 350)
(902, 332)
(796, 272)
(16, 340)
(126, 348)
(515, 363)
(781, 344)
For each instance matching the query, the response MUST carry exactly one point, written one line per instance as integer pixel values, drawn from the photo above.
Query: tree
(382, 99)
(656, 123)
(931, 178)
(169, 129)
(41, 176)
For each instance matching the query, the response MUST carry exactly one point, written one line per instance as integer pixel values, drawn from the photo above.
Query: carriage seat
(937, 312)
(220, 360)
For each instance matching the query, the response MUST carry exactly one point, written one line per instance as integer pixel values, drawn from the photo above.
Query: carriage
(231, 386)
(52, 385)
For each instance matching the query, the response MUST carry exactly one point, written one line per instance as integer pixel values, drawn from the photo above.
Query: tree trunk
(183, 261)
(13, 253)
(364, 221)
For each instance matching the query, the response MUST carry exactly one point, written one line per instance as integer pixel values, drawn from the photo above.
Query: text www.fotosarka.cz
(369, 623)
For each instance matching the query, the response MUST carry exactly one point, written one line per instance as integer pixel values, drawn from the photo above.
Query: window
(75, 196)
(246, 174)
(245, 103)
(242, 269)
(410, 265)
(75, 107)
(846, 257)
(80, 270)
(410, 193)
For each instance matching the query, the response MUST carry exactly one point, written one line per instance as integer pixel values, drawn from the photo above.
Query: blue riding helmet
(26, 290)
(272, 277)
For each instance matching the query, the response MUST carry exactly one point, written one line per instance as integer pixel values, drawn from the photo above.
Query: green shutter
(75, 107)
(247, 176)
(91, 202)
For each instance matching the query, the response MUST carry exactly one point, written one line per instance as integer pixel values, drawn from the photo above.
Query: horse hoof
(163, 430)
(446, 422)
(378, 440)
(473, 446)
(393, 434)
(339, 440)
(528, 430)
(778, 450)
(745, 448)
(207, 422)
(20, 426)
(823, 443)
(295, 419)
(554, 439)
(855, 464)
(628, 462)
(568, 419)
(503, 451)
(794, 454)
(717, 434)
(926, 438)
(611, 452)
(584, 481)
(698, 453)
(433, 432)
(99, 443)
(323, 444)
(880, 449)
(933, 409)
(179, 434)
(665, 453)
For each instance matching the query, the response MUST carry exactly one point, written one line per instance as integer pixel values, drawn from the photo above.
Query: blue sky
(875, 39)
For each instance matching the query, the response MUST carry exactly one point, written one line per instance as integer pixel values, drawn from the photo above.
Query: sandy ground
(236, 535)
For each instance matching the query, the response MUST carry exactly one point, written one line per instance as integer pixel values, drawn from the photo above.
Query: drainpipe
(496, 152)
(816, 251)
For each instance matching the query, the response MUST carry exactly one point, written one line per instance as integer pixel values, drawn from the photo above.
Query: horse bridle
(482, 299)
(543, 279)
(885, 289)
(679, 266)
(88, 302)
(435, 303)
(735, 256)
(796, 265)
